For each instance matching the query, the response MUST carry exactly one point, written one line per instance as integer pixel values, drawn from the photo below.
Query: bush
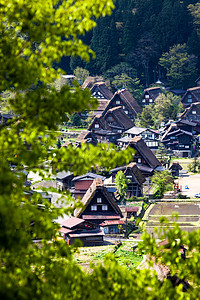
(134, 198)
(180, 196)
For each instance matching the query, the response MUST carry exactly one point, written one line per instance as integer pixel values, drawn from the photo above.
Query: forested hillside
(140, 33)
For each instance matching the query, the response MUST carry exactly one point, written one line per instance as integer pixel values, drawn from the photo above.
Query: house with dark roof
(86, 136)
(135, 177)
(192, 95)
(106, 136)
(82, 184)
(99, 206)
(114, 120)
(175, 168)
(149, 95)
(150, 137)
(73, 229)
(178, 137)
(129, 105)
(99, 90)
(192, 114)
(146, 161)
(64, 180)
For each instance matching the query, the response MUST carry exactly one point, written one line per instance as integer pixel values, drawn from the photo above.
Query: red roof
(71, 222)
(64, 230)
(131, 209)
(112, 222)
(100, 217)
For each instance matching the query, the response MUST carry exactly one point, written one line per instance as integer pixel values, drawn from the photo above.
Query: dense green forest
(140, 37)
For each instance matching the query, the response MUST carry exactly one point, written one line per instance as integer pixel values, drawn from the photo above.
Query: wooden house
(149, 95)
(146, 161)
(82, 183)
(114, 120)
(135, 177)
(99, 206)
(99, 90)
(150, 137)
(106, 136)
(86, 136)
(124, 99)
(178, 137)
(64, 180)
(192, 114)
(73, 229)
(131, 211)
(192, 95)
(175, 168)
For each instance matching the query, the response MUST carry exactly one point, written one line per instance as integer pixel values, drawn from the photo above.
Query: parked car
(197, 195)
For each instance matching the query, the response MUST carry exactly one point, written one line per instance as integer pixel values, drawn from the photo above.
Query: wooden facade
(129, 105)
(192, 95)
(98, 205)
(135, 178)
(149, 95)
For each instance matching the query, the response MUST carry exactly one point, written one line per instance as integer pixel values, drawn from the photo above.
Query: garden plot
(188, 215)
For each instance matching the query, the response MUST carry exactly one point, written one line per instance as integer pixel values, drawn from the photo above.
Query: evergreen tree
(146, 118)
(180, 66)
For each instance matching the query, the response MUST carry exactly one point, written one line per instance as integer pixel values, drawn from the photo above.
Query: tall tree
(122, 185)
(180, 66)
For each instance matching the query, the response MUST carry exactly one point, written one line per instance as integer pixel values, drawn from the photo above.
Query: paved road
(190, 181)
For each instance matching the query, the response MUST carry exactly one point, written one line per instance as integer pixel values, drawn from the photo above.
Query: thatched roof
(138, 144)
(154, 92)
(96, 186)
(103, 89)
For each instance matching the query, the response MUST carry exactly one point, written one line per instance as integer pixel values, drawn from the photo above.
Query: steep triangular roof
(195, 91)
(129, 100)
(189, 109)
(118, 114)
(103, 90)
(122, 118)
(139, 177)
(154, 92)
(87, 198)
(84, 136)
(138, 144)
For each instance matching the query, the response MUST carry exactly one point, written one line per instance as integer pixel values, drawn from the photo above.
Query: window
(194, 112)
(189, 98)
(139, 160)
(96, 125)
(93, 207)
(110, 118)
(99, 200)
(150, 100)
(143, 100)
(126, 112)
(104, 207)
(187, 147)
(117, 101)
(124, 107)
(147, 96)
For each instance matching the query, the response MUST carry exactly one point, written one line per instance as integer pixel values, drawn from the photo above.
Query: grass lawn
(124, 255)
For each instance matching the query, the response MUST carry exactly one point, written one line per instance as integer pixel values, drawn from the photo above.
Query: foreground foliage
(34, 36)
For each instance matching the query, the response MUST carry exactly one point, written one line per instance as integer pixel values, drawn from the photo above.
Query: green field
(124, 255)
